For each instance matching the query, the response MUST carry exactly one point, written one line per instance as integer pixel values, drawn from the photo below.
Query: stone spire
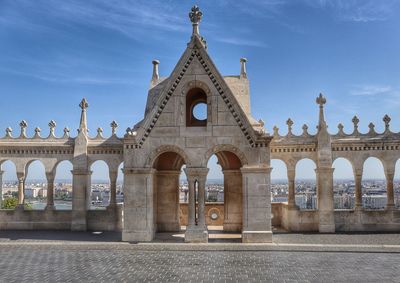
(195, 16)
(243, 71)
(83, 123)
(156, 76)
(321, 100)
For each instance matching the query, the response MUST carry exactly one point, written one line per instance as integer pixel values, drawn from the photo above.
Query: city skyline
(54, 54)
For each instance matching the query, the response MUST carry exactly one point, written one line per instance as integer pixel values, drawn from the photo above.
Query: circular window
(200, 111)
(214, 216)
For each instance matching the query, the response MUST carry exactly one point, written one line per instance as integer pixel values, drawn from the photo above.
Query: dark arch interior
(169, 161)
(228, 160)
(194, 97)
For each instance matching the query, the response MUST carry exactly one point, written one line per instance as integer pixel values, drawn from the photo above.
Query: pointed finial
(155, 76)
(386, 119)
(276, 131)
(340, 127)
(305, 130)
(66, 132)
(83, 123)
(84, 105)
(289, 123)
(355, 121)
(23, 126)
(371, 127)
(321, 100)
(99, 132)
(37, 132)
(195, 16)
(8, 132)
(52, 126)
(243, 71)
(114, 127)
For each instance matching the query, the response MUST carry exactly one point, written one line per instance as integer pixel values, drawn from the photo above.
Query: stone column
(325, 199)
(358, 189)
(50, 190)
(233, 200)
(113, 189)
(80, 186)
(139, 211)
(196, 232)
(389, 189)
(167, 190)
(1, 188)
(256, 204)
(291, 173)
(21, 190)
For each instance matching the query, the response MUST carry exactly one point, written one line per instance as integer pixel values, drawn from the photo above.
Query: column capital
(168, 172)
(193, 172)
(231, 171)
(81, 172)
(50, 175)
(324, 170)
(256, 169)
(21, 175)
(1, 172)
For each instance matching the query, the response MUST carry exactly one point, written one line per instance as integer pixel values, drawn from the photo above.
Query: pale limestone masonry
(155, 149)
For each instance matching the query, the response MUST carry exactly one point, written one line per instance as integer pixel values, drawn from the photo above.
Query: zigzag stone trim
(216, 85)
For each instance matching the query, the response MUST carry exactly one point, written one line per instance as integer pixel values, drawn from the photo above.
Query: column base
(141, 236)
(111, 207)
(20, 207)
(196, 235)
(390, 207)
(50, 207)
(257, 237)
(358, 207)
(293, 206)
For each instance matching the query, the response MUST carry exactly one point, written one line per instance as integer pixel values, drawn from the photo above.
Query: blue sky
(53, 53)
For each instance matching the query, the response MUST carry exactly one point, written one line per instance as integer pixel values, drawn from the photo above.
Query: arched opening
(63, 186)
(227, 189)
(167, 213)
(374, 194)
(99, 194)
(306, 185)
(396, 185)
(35, 193)
(9, 185)
(196, 108)
(120, 185)
(279, 181)
(343, 184)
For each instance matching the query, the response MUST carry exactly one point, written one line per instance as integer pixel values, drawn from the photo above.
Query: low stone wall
(296, 220)
(35, 220)
(367, 220)
(212, 209)
(97, 220)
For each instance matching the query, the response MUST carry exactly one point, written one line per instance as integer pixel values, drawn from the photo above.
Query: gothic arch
(167, 148)
(225, 147)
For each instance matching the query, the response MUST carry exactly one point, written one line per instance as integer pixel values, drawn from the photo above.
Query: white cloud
(241, 41)
(371, 90)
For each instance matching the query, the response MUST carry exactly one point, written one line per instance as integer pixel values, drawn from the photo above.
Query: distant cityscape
(373, 193)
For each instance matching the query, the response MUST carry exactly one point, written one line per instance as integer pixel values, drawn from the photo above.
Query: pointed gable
(196, 58)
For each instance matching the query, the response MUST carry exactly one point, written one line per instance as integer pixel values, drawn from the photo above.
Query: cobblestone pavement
(72, 264)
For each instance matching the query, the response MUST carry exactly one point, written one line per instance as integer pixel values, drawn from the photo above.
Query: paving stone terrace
(44, 256)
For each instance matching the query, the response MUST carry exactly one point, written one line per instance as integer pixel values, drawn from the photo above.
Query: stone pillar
(358, 190)
(89, 190)
(325, 200)
(389, 189)
(50, 190)
(167, 190)
(233, 200)
(113, 189)
(291, 173)
(196, 232)
(139, 211)
(1, 188)
(79, 194)
(256, 204)
(21, 190)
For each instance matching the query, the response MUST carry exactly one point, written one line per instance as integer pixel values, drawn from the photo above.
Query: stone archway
(166, 191)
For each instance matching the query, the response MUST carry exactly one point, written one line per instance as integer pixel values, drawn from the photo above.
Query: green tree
(10, 203)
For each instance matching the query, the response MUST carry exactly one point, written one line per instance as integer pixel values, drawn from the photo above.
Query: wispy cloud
(372, 90)
(241, 41)
(357, 10)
